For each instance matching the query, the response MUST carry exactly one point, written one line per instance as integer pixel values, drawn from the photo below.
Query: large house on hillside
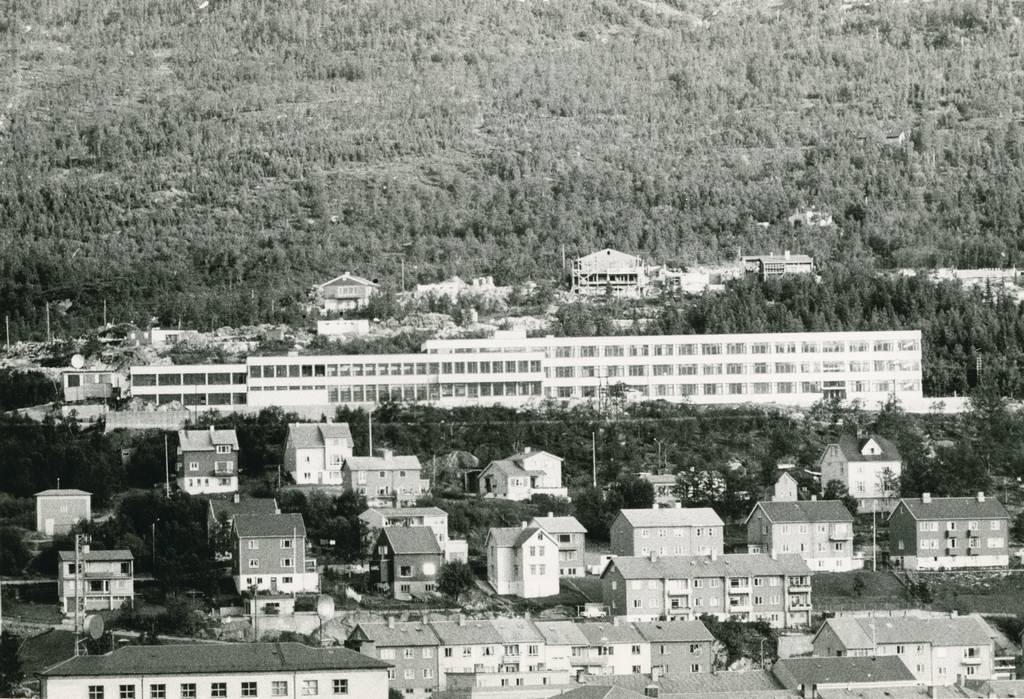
(673, 531)
(819, 531)
(610, 272)
(346, 293)
(869, 466)
(523, 475)
(929, 533)
(522, 561)
(315, 452)
(388, 480)
(207, 461)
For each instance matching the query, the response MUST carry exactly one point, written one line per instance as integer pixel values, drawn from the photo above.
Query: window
(428, 652)
(408, 653)
(219, 689)
(127, 691)
(387, 653)
(159, 691)
(410, 673)
(279, 688)
(339, 686)
(405, 571)
(252, 544)
(310, 688)
(248, 689)
(286, 563)
(193, 465)
(427, 673)
(635, 650)
(95, 691)
(254, 563)
(286, 543)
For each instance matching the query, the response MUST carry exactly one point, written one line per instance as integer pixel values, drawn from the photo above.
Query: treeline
(177, 175)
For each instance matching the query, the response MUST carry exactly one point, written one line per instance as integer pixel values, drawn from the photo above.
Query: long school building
(795, 369)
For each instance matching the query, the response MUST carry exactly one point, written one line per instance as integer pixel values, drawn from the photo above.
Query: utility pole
(104, 313)
(593, 456)
(49, 336)
(369, 423)
(7, 325)
(874, 537)
(167, 469)
(80, 541)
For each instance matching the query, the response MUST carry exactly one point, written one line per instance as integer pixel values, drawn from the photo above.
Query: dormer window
(223, 448)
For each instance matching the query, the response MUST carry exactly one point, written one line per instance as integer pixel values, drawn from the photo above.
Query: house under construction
(611, 271)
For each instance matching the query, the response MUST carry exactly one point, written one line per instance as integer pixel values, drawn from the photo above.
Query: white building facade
(522, 561)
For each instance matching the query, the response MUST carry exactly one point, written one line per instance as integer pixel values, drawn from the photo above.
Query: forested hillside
(208, 163)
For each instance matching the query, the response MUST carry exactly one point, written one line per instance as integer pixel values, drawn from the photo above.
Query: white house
(314, 453)
(869, 466)
(522, 562)
(230, 670)
(523, 475)
(59, 509)
(615, 648)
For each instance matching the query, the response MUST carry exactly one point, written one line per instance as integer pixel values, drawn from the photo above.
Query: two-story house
(749, 587)
(107, 578)
(819, 531)
(467, 645)
(566, 648)
(59, 509)
(388, 480)
(376, 518)
(315, 452)
(785, 488)
(939, 651)
(207, 461)
(678, 647)
(220, 518)
(269, 553)
(411, 647)
(572, 542)
(615, 648)
(664, 485)
(671, 531)
(522, 645)
(406, 561)
(523, 475)
(346, 293)
(869, 466)
(522, 561)
(929, 533)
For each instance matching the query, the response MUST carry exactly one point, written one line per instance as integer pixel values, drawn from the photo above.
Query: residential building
(407, 561)
(387, 480)
(671, 531)
(269, 553)
(749, 684)
(811, 675)
(467, 646)
(749, 587)
(664, 485)
(522, 562)
(610, 272)
(163, 337)
(91, 385)
(771, 266)
(108, 579)
(614, 648)
(315, 452)
(789, 369)
(220, 519)
(207, 461)
(410, 647)
(868, 465)
(678, 647)
(343, 327)
(346, 293)
(232, 670)
(523, 475)
(571, 537)
(929, 533)
(376, 518)
(785, 489)
(59, 509)
(522, 645)
(937, 650)
(565, 645)
(819, 531)
(810, 218)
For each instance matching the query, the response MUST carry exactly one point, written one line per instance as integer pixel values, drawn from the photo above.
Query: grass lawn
(987, 592)
(875, 590)
(32, 611)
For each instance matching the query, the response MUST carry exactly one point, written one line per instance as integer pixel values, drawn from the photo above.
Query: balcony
(589, 661)
(799, 605)
(741, 604)
(951, 533)
(972, 659)
(310, 565)
(740, 587)
(840, 535)
(798, 585)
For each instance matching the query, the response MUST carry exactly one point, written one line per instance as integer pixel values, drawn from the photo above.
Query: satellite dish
(77, 361)
(325, 607)
(94, 626)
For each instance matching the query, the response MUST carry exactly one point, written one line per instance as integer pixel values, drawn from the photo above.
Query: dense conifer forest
(208, 162)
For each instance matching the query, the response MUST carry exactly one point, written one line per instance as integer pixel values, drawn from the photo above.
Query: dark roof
(729, 564)
(599, 692)
(403, 633)
(858, 632)
(246, 506)
(510, 537)
(211, 658)
(805, 511)
(110, 555)
(851, 445)
(793, 672)
(697, 684)
(206, 440)
(409, 540)
(270, 525)
(668, 631)
(954, 508)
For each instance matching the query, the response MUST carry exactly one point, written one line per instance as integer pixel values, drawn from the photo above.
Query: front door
(273, 583)
(48, 527)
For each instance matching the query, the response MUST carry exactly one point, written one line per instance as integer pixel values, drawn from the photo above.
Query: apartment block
(678, 647)
(614, 648)
(207, 461)
(410, 647)
(572, 542)
(928, 533)
(819, 531)
(672, 531)
(939, 651)
(388, 480)
(749, 587)
(472, 645)
(59, 509)
(269, 553)
(107, 577)
(230, 670)
(314, 452)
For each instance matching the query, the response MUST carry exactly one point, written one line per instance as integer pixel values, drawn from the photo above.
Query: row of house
(428, 655)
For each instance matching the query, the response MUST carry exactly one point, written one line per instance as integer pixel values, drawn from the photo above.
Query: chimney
(211, 429)
(527, 450)
(653, 556)
(235, 497)
(787, 254)
(775, 555)
(651, 690)
(814, 498)
(85, 548)
(522, 525)
(616, 621)
(954, 614)
(714, 555)
(679, 505)
(462, 619)
(526, 615)
(926, 498)
(981, 496)
(391, 622)
(655, 674)
(551, 514)
(388, 454)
